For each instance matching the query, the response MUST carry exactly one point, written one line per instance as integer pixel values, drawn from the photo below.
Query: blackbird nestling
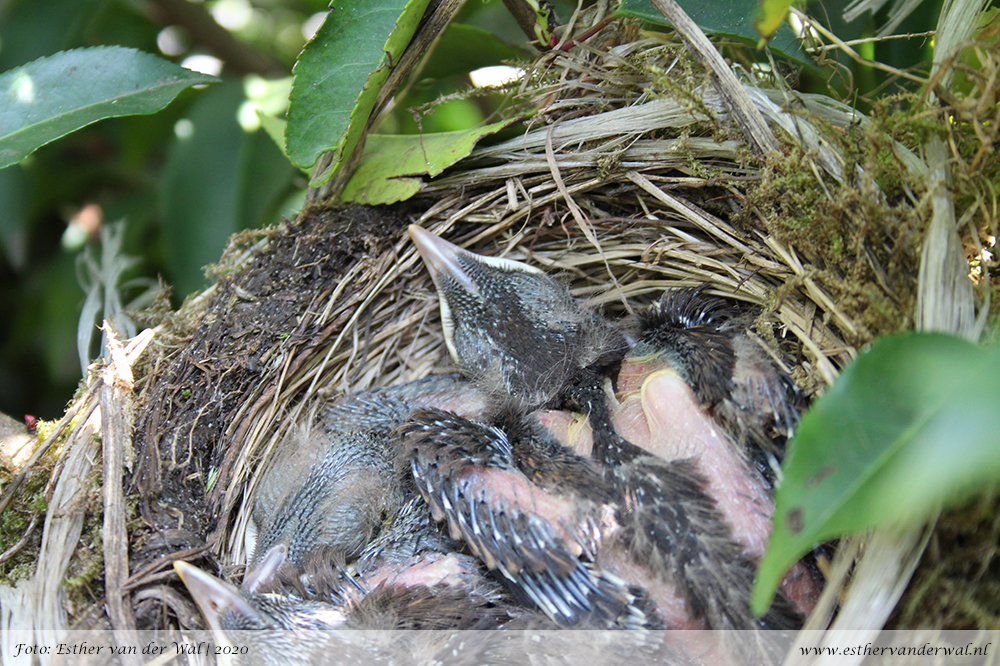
(706, 341)
(542, 531)
(691, 514)
(335, 483)
(516, 332)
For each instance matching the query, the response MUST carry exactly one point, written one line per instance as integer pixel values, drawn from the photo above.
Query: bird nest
(630, 178)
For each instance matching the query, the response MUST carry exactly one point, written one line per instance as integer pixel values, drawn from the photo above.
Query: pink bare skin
(677, 427)
(433, 569)
(658, 412)
(572, 430)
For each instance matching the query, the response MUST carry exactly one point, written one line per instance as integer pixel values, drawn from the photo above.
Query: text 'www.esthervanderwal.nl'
(928, 649)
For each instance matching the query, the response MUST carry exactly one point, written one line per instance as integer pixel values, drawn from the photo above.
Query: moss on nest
(22, 519)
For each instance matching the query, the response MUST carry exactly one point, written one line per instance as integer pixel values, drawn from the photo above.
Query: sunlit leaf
(275, 128)
(725, 17)
(771, 16)
(908, 426)
(51, 97)
(390, 168)
(340, 72)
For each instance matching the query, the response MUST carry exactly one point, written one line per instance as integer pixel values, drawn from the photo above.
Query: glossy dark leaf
(51, 97)
(909, 426)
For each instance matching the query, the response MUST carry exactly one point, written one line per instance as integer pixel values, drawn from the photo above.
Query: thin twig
(854, 55)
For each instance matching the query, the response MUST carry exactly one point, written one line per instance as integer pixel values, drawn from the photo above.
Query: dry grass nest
(629, 179)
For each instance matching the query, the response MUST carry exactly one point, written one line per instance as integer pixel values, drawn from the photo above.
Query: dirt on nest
(261, 317)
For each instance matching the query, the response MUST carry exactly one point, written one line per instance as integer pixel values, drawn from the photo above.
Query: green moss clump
(861, 242)
(29, 503)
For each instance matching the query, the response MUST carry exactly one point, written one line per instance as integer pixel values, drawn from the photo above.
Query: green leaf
(771, 16)
(726, 17)
(275, 128)
(51, 97)
(339, 74)
(908, 426)
(391, 165)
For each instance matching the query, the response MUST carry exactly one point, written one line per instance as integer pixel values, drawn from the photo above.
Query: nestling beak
(441, 258)
(214, 597)
(516, 332)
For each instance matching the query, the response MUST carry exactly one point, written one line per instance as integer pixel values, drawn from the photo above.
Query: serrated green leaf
(391, 165)
(339, 73)
(908, 426)
(53, 96)
(725, 17)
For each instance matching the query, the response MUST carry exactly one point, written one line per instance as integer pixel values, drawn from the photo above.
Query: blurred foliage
(181, 180)
(184, 179)
(51, 97)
